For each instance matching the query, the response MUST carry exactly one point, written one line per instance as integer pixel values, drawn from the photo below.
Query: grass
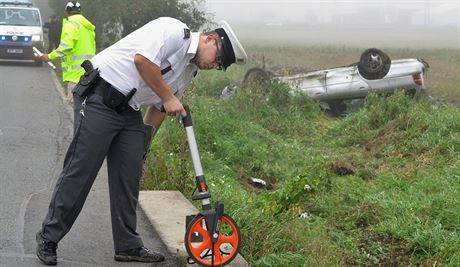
(379, 187)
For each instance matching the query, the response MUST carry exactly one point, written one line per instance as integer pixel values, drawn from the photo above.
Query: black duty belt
(113, 98)
(102, 86)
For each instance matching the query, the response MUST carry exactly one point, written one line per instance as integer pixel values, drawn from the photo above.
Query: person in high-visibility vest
(77, 44)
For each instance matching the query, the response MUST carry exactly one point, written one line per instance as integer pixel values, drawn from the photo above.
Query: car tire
(374, 64)
(256, 76)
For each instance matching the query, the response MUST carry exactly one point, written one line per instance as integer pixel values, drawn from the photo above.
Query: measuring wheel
(211, 238)
(199, 244)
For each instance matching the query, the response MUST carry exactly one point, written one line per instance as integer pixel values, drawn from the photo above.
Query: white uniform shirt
(163, 42)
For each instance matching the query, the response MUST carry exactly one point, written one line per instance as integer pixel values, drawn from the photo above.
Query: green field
(362, 36)
(379, 187)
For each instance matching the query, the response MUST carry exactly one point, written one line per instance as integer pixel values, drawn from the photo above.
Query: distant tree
(117, 18)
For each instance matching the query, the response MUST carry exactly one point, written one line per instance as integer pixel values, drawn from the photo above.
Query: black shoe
(141, 254)
(46, 250)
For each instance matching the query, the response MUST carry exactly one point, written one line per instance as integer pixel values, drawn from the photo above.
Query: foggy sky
(408, 12)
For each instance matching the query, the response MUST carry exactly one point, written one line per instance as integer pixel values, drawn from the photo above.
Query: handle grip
(39, 54)
(187, 120)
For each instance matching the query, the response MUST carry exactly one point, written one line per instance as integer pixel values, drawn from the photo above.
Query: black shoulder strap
(186, 36)
(165, 70)
(186, 33)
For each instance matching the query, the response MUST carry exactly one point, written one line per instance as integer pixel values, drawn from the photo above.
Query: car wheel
(374, 64)
(256, 76)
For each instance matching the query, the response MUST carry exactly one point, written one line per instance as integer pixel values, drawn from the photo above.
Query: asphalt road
(35, 131)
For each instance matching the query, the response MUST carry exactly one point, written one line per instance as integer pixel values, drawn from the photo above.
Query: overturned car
(375, 72)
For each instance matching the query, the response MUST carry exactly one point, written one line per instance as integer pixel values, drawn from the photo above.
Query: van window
(19, 17)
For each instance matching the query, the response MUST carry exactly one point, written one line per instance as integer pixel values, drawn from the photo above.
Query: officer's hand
(45, 58)
(174, 107)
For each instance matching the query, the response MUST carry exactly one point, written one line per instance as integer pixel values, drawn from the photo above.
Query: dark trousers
(53, 43)
(100, 132)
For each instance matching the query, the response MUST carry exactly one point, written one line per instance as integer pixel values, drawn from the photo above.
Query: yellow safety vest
(78, 43)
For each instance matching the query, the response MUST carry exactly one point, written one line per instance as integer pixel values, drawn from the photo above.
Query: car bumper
(17, 51)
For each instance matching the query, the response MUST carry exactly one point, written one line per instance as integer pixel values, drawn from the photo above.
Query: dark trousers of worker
(53, 43)
(100, 132)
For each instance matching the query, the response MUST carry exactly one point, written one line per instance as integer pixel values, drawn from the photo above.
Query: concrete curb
(61, 90)
(166, 211)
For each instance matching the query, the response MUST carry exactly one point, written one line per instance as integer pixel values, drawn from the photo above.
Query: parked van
(21, 28)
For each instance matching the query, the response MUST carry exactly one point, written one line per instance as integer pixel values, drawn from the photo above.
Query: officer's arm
(68, 37)
(151, 74)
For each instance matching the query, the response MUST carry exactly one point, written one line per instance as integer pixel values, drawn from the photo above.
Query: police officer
(77, 44)
(54, 32)
(150, 67)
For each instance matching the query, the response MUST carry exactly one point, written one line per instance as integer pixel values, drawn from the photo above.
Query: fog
(361, 23)
(418, 23)
(374, 12)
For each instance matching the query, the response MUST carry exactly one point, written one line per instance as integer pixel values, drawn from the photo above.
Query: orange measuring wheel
(212, 238)
(199, 245)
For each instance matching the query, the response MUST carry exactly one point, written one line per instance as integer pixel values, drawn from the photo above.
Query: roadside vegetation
(378, 187)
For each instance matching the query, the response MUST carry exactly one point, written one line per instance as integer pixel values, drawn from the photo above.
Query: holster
(113, 98)
(91, 82)
(87, 81)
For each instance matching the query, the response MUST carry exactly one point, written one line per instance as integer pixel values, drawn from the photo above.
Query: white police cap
(231, 51)
(73, 6)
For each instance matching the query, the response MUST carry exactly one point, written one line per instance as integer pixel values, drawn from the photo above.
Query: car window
(19, 17)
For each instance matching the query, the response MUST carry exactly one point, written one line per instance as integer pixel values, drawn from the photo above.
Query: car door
(345, 83)
(313, 83)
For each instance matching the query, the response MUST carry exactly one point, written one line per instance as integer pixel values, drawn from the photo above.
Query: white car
(375, 72)
(20, 29)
